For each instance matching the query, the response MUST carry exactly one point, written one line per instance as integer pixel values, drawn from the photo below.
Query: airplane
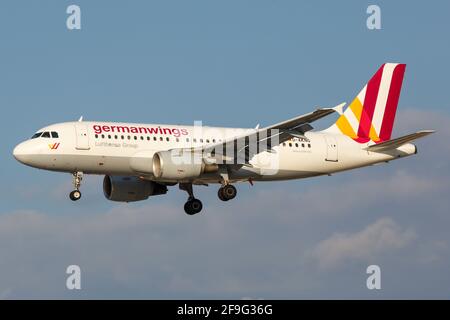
(143, 160)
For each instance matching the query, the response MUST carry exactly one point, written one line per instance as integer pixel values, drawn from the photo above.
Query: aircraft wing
(306, 118)
(395, 143)
(266, 138)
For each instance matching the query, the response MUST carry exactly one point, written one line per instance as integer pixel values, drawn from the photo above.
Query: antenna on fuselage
(81, 119)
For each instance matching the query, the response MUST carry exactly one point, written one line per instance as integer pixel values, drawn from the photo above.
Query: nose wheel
(192, 205)
(75, 195)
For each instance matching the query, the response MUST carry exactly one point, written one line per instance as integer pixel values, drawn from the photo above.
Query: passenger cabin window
(46, 134)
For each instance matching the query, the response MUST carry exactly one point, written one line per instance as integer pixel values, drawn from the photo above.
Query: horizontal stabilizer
(395, 143)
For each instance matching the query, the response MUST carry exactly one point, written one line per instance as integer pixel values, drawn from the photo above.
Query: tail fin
(371, 114)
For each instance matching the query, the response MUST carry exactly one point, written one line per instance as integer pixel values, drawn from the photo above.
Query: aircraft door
(82, 137)
(332, 148)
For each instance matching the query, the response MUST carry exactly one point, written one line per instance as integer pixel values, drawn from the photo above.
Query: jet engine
(129, 189)
(180, 164)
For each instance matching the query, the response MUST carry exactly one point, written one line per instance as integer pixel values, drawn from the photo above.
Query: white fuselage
(127, 149)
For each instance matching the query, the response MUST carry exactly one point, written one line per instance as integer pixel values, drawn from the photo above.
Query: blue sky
(227, 63)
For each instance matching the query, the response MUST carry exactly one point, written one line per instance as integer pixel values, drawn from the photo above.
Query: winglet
(340, 108)
(81, 119)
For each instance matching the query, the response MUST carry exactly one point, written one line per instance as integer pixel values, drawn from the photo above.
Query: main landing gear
(227, 192)
(192, 205)
(76, 194)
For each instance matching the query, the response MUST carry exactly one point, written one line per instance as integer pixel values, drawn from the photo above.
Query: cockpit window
(54, 134)
(46, 134)
(36, 135)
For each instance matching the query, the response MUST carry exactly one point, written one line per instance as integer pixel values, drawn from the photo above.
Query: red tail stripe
(392, 102)
(361, 139)
(373, 86)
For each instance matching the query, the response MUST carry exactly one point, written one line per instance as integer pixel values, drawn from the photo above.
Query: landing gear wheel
(228, 192)
(193, 206)
(220, 194)
(75, 195)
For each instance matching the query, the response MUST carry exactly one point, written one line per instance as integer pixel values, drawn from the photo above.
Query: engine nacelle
(180, 164)
(129, 189)
(141, 162)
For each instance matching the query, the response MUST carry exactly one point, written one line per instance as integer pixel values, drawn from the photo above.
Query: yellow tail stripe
(373, 135)
(345, 127)
(356, 106)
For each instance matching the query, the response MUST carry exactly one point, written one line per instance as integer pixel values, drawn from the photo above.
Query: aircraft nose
(20, 153)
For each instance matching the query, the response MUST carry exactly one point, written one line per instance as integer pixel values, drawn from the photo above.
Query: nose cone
(20, 153)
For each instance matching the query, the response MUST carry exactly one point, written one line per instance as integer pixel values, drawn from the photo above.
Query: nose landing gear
(75, 195)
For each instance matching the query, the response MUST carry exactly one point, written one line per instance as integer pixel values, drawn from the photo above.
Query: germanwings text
(99, 129)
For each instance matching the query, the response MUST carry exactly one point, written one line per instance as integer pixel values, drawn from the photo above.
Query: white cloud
(381, 237)
(354, 195)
